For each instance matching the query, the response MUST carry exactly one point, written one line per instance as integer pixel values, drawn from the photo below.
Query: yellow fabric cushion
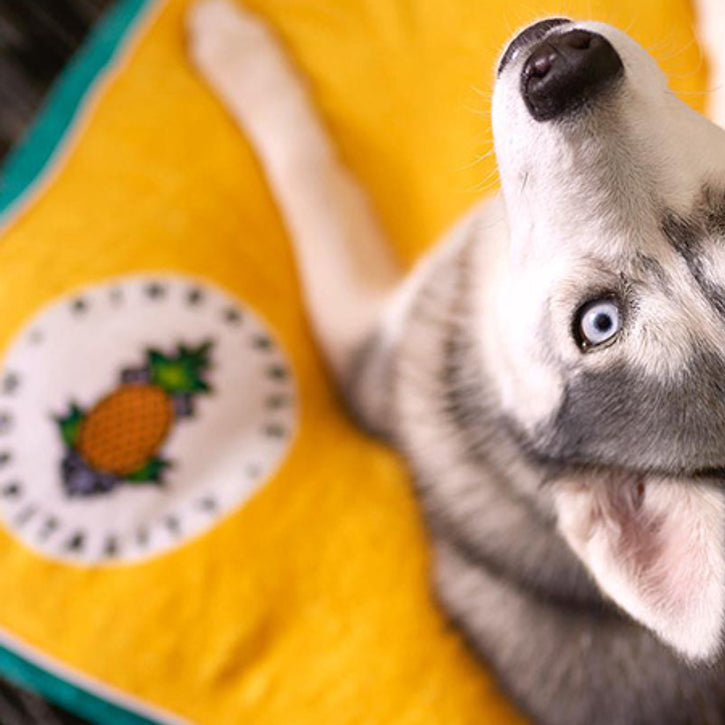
(308, 602)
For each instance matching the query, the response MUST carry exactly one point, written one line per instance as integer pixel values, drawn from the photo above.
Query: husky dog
(553, 371)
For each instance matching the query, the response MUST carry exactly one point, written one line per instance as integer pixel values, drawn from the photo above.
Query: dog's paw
(223, 37)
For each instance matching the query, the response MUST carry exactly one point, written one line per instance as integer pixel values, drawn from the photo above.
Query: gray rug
(37, 37)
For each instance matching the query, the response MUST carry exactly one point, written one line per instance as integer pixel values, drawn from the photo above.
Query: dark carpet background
(37, 37)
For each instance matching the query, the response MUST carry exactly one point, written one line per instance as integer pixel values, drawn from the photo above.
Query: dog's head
(607, 316)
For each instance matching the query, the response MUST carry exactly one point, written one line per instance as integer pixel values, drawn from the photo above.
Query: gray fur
(525, 602)
(539, 460)
(504, 574)
(678, 424)
(689, 236)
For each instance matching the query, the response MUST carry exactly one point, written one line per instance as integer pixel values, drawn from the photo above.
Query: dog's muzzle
(563, 70)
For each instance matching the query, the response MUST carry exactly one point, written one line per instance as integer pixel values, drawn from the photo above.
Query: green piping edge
(74, 699)
(26, 163)
(23, 167)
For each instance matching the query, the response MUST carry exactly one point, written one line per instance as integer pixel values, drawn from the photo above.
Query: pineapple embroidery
(112, 446)
(119, 439)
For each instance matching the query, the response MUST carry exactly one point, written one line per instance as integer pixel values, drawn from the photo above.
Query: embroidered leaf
(183, 372)
(70, 425)
(151, 472)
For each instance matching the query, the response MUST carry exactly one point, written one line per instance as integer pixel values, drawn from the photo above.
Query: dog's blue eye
(598, 322)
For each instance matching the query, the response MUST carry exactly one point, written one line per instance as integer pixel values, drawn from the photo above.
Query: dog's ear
(657, 550)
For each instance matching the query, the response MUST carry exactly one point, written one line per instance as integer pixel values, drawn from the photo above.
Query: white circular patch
(190, 380)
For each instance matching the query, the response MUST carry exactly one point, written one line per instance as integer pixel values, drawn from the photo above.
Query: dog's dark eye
(597, 322)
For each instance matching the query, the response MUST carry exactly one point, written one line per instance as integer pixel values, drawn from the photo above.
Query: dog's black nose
(528, 36)
(566, 70)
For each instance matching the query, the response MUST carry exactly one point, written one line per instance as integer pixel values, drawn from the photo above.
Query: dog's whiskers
(478, 160)
(483, 93)
(706, 92)
(689, 44)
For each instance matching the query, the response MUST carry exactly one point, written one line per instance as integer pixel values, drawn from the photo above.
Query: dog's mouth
(710, 475)
(714, 474)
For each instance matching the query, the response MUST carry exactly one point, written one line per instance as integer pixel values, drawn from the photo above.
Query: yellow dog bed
(192, 531)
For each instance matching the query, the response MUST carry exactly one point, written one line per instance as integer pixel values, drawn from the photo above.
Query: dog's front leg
(711, 32)
(345, 264)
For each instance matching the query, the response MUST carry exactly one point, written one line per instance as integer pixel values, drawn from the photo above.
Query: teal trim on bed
(23, 167)
(78, 701)
(26, 163)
